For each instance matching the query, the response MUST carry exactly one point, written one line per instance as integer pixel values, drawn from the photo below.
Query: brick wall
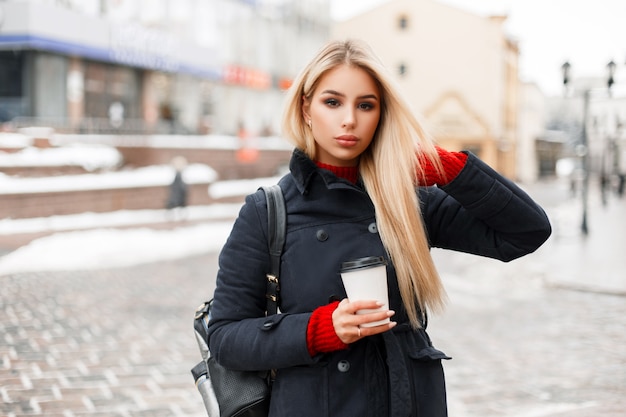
(224, 161)
(98, 201)
(43, 171)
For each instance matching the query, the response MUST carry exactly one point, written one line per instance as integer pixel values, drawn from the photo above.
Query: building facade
(458, 70)
(154, 66)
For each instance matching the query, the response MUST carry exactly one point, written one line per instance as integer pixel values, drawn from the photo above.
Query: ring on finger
(359, 329)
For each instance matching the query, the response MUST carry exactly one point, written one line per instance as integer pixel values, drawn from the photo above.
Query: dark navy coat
(330, 220)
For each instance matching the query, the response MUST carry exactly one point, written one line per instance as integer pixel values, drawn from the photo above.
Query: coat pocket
(420, 348)
(427, 377)
(428, 354)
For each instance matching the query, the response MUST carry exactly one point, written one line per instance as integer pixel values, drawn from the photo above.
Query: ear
(306, 106)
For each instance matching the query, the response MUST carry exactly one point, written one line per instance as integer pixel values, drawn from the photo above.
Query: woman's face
(343, 112)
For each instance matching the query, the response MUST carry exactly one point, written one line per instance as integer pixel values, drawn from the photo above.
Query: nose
(349, 118)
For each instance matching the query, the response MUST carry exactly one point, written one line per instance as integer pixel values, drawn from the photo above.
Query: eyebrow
(337, 93)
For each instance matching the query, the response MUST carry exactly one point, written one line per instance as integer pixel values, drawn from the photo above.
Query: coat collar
(303, 170)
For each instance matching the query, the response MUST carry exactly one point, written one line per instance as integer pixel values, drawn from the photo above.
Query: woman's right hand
(347, 323)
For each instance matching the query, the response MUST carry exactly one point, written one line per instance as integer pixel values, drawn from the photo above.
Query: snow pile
(89, 157)
(113, 248)
(155, 175)
(15, 140)
(88, 241)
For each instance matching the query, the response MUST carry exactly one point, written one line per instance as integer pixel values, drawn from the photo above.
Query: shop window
(11, 64)
(107, 84)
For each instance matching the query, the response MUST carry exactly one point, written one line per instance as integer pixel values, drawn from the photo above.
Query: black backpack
(229, 393)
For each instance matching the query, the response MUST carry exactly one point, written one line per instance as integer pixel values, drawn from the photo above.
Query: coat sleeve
(482, 213)
(240, 335)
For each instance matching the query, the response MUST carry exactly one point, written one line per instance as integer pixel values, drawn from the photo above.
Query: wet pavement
(540, 336)
(543, 335)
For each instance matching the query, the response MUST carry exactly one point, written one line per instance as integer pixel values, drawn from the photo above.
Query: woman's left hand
(347, 322)
(451, 162)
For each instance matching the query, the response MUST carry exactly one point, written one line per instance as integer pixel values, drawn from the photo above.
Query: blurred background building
(457, 69)
(141, 66)
(199, 67)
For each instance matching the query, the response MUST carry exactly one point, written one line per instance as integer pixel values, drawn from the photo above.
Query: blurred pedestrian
(177, 198)
(116, 114)
(365, 180)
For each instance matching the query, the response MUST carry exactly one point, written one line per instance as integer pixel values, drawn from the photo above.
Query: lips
(347, 140)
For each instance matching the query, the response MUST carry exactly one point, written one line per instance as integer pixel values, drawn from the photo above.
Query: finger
(374, 316)
(365, 331)
(364, 305)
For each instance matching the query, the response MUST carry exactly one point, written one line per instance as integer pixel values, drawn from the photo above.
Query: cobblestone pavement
(119, 342)
(521, 348)
(107, 343)
(543, 335)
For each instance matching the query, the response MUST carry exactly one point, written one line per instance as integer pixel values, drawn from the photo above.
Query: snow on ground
(89, 241)
(121, 218)
(114, 248)
(94, 240)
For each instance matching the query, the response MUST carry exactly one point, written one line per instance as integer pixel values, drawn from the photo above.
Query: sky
(586, 33)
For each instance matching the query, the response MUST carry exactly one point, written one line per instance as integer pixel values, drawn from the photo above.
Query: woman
(361, 184)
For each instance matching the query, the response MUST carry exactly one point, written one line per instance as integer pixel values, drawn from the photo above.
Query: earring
(309, 123)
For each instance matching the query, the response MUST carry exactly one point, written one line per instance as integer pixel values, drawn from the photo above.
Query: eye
(365, 106)
(331, 102)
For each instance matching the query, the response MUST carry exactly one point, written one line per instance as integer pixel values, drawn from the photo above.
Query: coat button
(373, 228)
(322, 235)
(343, 366)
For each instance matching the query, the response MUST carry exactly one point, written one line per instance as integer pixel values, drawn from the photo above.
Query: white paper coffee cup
(366, 279)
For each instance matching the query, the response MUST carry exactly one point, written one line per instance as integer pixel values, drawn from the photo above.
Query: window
(403, 22)
(106, 84)
(11, 73)
(402, 70)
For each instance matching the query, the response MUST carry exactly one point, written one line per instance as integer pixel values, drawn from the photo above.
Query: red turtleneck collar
(349, 173)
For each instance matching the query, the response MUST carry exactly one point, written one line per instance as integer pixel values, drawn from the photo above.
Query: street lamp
(565, 68)
(582, 150)
(610, 80)
(608, 149)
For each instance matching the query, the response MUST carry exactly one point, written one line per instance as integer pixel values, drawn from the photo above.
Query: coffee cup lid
(367, 262)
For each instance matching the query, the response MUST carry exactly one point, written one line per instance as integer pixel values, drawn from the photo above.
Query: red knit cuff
(320, 334)
(451, 162)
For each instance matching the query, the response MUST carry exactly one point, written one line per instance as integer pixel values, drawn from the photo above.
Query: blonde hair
(389, 168)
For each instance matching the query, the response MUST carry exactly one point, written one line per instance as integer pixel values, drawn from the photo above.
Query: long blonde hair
(389, 168)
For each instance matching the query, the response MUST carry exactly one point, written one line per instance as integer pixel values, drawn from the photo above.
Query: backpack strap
(277, 228)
